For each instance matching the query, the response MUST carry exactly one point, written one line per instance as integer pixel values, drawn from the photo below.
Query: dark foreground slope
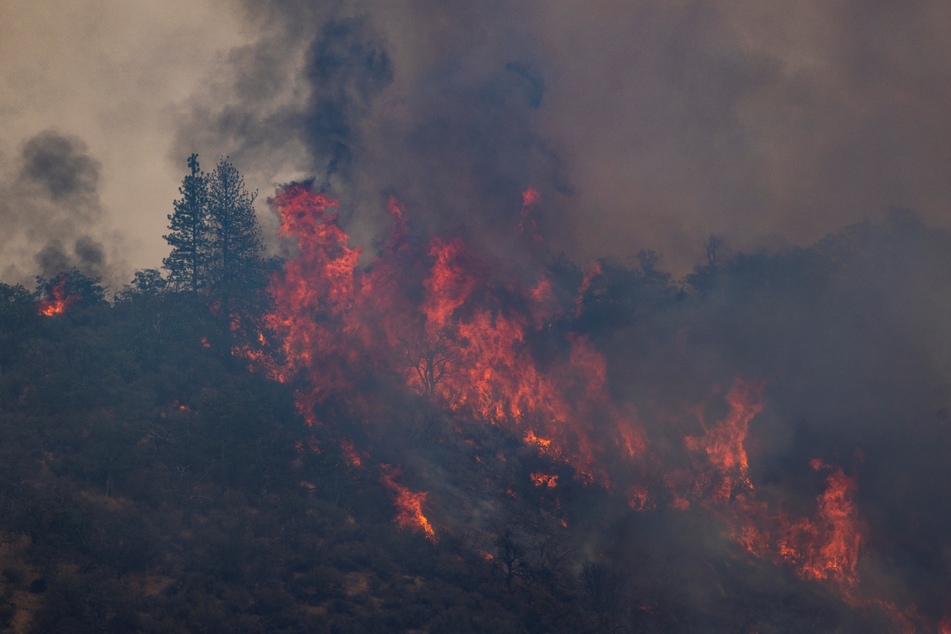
(148, 483)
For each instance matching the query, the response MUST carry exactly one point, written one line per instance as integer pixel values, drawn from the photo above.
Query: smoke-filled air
(465, 317)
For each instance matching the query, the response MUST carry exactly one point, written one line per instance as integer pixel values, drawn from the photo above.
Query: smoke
(443, 119)
(649, 125)
(644, 125)
(850, 336)
(52, 212)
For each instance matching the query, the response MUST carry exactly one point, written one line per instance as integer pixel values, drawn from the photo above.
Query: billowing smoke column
(645, 125)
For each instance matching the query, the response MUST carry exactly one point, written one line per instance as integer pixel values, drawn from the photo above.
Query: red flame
(455, 343)
(439, 320)
(592, 272)
(827, 546)
(59, 302)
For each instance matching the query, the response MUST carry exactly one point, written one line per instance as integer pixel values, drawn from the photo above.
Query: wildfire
(592, 272)
(826, 547)
(723, 443)
(437, 319)
(433, 317)
(532, 439)
(638, 497)
(544, 480)
(409, 505)
(59, 301)
(526, 223)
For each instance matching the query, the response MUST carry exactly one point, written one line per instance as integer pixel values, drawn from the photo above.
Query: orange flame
(59, 302)
(409, 505)
(544, 480)
(448, 336)
(828, 546)
(723, 443)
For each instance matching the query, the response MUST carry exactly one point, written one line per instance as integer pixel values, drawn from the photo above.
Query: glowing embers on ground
(58, 301)
(409, 504)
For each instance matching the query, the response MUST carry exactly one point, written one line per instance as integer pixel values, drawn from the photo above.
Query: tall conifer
(189, 232)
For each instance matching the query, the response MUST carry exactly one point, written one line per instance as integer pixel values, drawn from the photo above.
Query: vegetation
(151, 482)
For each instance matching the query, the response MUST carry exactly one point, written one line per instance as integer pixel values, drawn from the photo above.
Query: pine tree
(234, 236)
(189, 237)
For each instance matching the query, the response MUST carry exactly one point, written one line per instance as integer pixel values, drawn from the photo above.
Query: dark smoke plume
(52, 212)
(644, 125)
(61, 165)
(452, 137)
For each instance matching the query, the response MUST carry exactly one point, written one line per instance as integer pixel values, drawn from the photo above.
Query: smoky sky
(51, 210)
(644, 125)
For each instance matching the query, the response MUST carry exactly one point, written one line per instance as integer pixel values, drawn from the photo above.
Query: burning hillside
(487, 346)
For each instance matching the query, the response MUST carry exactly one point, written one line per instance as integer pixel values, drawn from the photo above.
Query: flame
(723, 443)
(433, 317)
(638, 497)
(437, 319)
(826, 547)
(59, 302)
(593, 271)
(540, 479)
(409, 505)
(532, 439)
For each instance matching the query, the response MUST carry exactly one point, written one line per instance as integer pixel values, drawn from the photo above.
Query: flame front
(436, 319)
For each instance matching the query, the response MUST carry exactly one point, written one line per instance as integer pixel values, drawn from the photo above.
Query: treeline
(150, 483)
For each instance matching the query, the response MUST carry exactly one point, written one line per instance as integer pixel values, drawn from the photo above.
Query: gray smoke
(645, 125)
(52, 213)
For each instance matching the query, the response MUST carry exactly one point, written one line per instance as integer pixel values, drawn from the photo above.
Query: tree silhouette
(189, 237)
(234, 236)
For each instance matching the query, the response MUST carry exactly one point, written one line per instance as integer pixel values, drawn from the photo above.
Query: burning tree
(66, 289)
